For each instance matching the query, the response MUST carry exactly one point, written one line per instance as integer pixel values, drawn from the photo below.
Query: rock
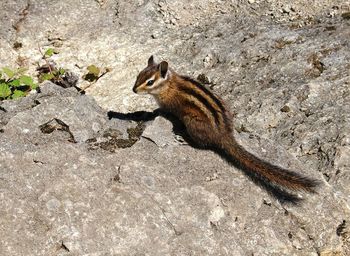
(102, 174)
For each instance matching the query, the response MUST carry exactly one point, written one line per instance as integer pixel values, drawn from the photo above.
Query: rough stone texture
(74, 182)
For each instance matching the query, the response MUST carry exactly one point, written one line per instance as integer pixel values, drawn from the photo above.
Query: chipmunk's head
(152, 79)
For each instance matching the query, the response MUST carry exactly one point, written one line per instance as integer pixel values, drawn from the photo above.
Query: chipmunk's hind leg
(200, 131)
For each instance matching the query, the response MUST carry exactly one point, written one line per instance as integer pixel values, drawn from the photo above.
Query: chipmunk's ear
(151, 61)
(163, 68)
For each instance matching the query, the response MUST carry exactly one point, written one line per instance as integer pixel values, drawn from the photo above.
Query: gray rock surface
(75, 182)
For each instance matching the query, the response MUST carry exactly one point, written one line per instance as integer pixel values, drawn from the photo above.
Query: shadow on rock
(282, 195)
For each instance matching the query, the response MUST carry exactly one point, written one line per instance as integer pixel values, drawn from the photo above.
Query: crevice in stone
(23, 15)
(17, 25)
(38, 161)
(111, 139)
(3, 109)
(57, 125)
(64, 247)
(341, 227)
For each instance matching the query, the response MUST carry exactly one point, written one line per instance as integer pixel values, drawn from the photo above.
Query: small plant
(14, 83)
(50, 71)
(52, 74)
(94, 73)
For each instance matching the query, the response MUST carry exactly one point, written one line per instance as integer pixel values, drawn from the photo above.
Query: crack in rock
(111, 140)
(56, 125)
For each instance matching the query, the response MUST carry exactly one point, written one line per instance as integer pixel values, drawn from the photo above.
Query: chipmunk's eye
(150, 82)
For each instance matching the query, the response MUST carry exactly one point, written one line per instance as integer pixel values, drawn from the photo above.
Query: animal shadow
(282, 195)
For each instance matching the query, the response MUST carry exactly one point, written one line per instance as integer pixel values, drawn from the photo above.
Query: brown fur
(209, 123)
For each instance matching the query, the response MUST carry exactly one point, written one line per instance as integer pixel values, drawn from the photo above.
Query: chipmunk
(208, 121)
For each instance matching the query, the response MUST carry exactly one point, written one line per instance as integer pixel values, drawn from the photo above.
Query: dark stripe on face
(205, 91)
(144, 75)
(203, 100)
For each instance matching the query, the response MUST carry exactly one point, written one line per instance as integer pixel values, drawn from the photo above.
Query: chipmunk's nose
(134, 89)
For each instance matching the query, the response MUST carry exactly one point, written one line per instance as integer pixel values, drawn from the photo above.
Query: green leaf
(49, 52)
(21, 71)
(5, 91)
(93, 70)
(9, 73)
(26, 80)
(34, 86)
(14, 83)
(47, 76)
(62, 71)
(18, 94)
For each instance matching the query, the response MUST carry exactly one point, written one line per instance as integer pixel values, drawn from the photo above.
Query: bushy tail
(272, 173)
